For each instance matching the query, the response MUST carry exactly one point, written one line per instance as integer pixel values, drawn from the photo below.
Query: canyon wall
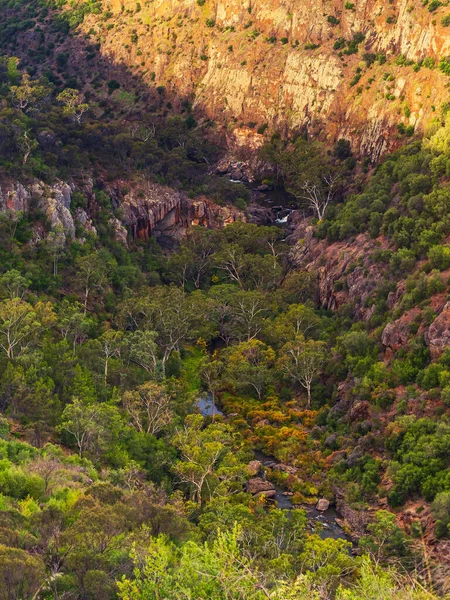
(285, 65)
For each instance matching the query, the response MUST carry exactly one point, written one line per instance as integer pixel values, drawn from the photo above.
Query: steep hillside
(353, 70)
(199, 386)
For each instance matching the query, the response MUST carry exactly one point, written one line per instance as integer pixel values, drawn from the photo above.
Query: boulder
(323, 504)
(236, 174)
(258, 486)
(285, 468)
(223, 167)
(254, 467)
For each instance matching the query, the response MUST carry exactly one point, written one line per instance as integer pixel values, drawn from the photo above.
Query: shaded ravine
(321, 522)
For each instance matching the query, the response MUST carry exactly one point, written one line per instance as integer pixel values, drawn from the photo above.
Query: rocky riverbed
(322, 518)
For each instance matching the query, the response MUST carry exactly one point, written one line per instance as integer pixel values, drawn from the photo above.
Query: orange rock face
(355, 72)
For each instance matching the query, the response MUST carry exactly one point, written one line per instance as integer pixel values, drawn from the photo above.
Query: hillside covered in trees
(136, 279)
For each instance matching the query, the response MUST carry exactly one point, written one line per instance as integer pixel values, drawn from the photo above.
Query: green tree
(73, 323)
(441, 512)
(13, 285)
(302, 361)
(249, 365)
(218, 570)
(94, 427)
(326, 562)
(21, 324)
(297, 320)
(209, 463)
(385, 539)
(211, 372)
(310, 176)
(27, 93)
(73, 108)
(143, 351)
(22, 575)
(109, 345)
(149, 407)
(91, 274)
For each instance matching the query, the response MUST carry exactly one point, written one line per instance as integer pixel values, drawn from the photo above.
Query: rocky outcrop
(356, 519)
(397, 333)
(345, 270)
(148, 207)
(53, 200)
(254, 467)
(437, 337)
(203, 211)
(281, 467)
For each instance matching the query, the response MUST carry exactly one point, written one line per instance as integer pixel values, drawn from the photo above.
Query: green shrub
(444, 65)
(439, 257)
(434, 5)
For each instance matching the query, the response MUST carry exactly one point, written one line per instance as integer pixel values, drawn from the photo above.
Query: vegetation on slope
(112, 485)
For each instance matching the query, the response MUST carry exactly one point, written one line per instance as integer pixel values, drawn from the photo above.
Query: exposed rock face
(357, 519)
(396, 334)
(283, 63)
(258, 486)
(54, 200)
(284, 468)
(339, 281)
(83, 219)
(438, 335)
(56, 205)
(147, 206)
(14, 197)
(202, 211)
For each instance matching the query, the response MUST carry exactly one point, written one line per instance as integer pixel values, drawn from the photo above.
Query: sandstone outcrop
(285, 65)
(53, 200)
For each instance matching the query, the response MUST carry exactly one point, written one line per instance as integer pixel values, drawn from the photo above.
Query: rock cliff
(146, 208)
(353, 70)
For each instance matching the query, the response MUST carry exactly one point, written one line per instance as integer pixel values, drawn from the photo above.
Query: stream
(275, 204)
(321, 522)
(277, 200)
